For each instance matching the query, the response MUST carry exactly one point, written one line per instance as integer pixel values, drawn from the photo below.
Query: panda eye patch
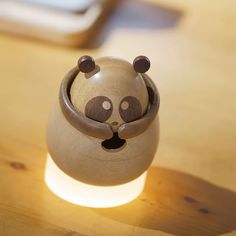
(130, 109)
(99, 108)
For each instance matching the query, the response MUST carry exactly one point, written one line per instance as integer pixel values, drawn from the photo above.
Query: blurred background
(192, 49)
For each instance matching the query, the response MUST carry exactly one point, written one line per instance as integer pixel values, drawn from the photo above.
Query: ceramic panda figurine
(104, 130)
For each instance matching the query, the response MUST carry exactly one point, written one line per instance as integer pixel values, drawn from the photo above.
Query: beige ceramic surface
(84, 157)
(191, 188)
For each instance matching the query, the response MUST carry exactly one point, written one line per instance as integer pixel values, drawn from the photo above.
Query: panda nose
(114, 123)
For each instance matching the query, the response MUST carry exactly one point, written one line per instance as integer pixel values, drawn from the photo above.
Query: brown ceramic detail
(86, 64)
(99, 108)
(76, 118)
(141, 64)
(131, 110)
(132, 129)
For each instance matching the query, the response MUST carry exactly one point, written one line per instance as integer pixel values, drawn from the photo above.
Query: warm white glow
(83, 194)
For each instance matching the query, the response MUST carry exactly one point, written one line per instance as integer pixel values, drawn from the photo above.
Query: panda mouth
(113, 144)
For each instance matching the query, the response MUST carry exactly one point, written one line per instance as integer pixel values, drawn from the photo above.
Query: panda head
(109, 97)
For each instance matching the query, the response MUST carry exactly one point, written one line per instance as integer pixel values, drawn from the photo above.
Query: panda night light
(103, 133)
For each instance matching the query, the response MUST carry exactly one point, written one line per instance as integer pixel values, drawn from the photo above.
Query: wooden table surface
(191, 186)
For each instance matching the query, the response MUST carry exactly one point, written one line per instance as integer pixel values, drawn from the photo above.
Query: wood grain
(191, 187)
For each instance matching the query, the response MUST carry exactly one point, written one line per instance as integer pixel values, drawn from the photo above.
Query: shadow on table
(180, 204)
(134, 15)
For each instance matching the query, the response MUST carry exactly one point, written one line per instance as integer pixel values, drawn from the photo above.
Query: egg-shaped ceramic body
(105, 129)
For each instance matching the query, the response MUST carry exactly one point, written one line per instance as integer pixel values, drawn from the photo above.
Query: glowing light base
(83, 194)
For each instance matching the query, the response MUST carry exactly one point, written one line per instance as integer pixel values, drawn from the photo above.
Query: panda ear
(141, 64)
(86, 64)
